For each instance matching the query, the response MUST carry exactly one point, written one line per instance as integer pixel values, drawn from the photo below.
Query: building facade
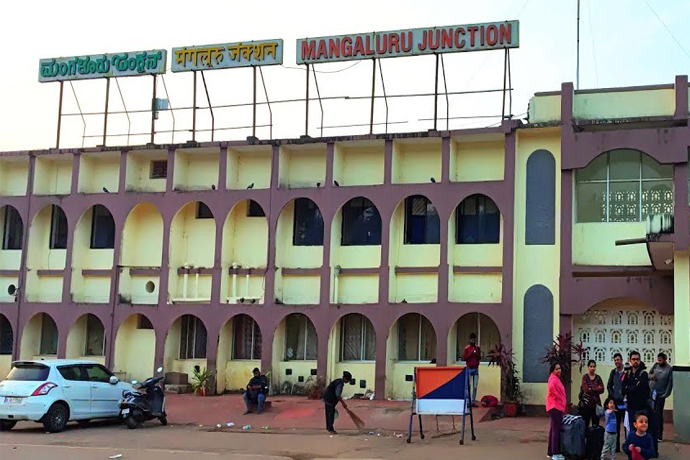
(372, 254)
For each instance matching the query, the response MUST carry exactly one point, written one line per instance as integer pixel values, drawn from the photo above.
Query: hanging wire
(445, 86)
(667, 29)
(591, 36)
(270, 112)
(318, 93)
(385, 98)
(322, 71)
(129, 122)
(83, 120)
(172, 111)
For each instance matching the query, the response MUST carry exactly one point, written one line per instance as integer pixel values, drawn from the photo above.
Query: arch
(486, 330)
(352, 348)
(477, 221)
(239, 352)
(142, 237)
(245, 247)
(100, 233)
(306, 222)
(6, 345)
(540, 204)
(537, 332)
(135, 348)
(12, 229)
(185, 345)
(192, 246)
(39, 337)
(418, 221)
(623, 185)
(86, 339)
(360, 223)
(295, 351)
(411, 343)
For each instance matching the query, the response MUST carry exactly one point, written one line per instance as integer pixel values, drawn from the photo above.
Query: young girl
(609, 451)
(639, 445)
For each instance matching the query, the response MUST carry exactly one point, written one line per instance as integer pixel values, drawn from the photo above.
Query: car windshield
(29, 373)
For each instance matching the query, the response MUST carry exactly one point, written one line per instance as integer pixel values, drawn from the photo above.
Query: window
(95, 337)
(203, 211)
(49, 336)
(28, 373)
(357, 338)
(308, 224)
(192, 338)
(300, 338)
(6, 336)
(623, 186)
(478, 221)
(159, 169)
(102, 228)
(246, 338)
(143, 322)
(13, 229)
(487, 334)
(58, 228)
(254, 209)
(416, 338)
(361, 223)
(422, 225)
(74, 373)
(97, 373)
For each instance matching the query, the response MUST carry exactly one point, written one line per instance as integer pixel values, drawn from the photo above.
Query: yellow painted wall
(623, 104)
(53, 175)
(302, 166)
(416, 161)
(31, 338)
(10, 259)
(681, 308)
(134, 350)
(595, 244)
(171, 361)
(5, 365)
(544, 109)
(76, 339)
(89, 288)
(396, 386)
(142, 238)
(299, 289)
(534, 264)
(360, 370)
(139, 171)
(489, 376)
(477, 161)
(290, 256)
(359, 163)
(98, 170)
(353, 289)
(245, 239)
(136, 288)
(477, 255)
(196, 169)
(476, 287)
(43, 288)
(14, 176)
(249, 165)
(233, 375)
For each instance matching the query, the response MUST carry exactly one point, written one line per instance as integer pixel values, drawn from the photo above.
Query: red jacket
(472, 356)
(555, 395)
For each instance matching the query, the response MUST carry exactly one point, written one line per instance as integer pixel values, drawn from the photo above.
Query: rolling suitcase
(595, 441)
(573, 437)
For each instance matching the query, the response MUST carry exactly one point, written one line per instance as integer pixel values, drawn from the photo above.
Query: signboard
(103, 65)
(440, 390)
(228, 55)
(409, 42)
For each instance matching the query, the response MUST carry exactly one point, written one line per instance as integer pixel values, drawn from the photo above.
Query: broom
(359, 423)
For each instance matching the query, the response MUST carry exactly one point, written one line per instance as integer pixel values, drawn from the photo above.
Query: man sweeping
(332, 396)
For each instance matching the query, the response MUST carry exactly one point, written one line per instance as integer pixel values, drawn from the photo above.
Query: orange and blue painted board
(441, 390)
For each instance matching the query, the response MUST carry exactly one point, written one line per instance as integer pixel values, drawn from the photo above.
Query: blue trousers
(260, 398)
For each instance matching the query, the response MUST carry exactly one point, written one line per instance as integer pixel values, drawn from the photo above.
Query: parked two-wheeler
(146, 402)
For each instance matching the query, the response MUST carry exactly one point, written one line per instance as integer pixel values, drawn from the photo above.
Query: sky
(622, 43)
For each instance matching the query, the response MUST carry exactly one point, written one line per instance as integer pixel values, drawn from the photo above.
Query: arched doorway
(352, 348)
(135, 349)
(39, 338)
(86, 339)
(295, 349)
(411, 343)
(6, 346)
(185, 346)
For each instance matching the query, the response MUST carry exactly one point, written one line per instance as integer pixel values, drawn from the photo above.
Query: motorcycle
(146, 402)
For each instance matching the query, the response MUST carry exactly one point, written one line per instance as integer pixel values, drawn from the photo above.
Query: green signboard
(103, 65)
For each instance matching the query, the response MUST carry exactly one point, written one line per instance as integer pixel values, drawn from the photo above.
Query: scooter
(147, 402)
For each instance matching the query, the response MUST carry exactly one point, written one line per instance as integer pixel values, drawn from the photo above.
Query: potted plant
(511, 392)
(201, 380)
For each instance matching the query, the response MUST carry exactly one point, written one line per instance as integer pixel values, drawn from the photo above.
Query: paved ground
(295, 432)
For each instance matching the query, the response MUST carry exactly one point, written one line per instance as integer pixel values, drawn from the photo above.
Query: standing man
(332, 396)
(257, 389)
(471, 356)
(615, 388)
(636, 389)
(661, 383)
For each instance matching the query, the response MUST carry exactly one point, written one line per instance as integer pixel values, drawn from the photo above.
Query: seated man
(257, 389)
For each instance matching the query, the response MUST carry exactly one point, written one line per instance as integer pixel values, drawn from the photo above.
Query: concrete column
(212, 336)
(681, 308)
(381, 359)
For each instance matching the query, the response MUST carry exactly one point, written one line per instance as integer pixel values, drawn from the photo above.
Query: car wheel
(7, 425)
(164, 420)
(131, 422)
(56, 418)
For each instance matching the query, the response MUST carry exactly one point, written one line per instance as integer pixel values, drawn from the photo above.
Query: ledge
(96, 271)
(588, 271)
(464, 269)
(50, 272)
(144, 271)
(405, 270)
(247, 271)
(301, 271)
(360, 271)
(10, 272)
(194, 271)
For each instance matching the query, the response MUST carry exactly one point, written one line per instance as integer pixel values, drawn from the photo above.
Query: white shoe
(558, 457)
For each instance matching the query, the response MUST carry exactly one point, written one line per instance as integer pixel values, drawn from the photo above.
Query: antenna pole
(577, 81)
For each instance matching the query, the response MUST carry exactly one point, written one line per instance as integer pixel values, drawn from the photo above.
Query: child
(639, 445)
(609, 451)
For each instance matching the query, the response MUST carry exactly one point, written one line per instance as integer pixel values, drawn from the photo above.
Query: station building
(368, 253)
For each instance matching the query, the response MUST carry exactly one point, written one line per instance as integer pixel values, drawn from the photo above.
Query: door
(105, 397)
(77, 390)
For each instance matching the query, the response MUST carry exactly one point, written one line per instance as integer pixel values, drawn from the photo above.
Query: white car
(55, 392)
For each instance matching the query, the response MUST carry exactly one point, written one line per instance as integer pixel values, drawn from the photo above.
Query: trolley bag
(573, 437)
(595, 441)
